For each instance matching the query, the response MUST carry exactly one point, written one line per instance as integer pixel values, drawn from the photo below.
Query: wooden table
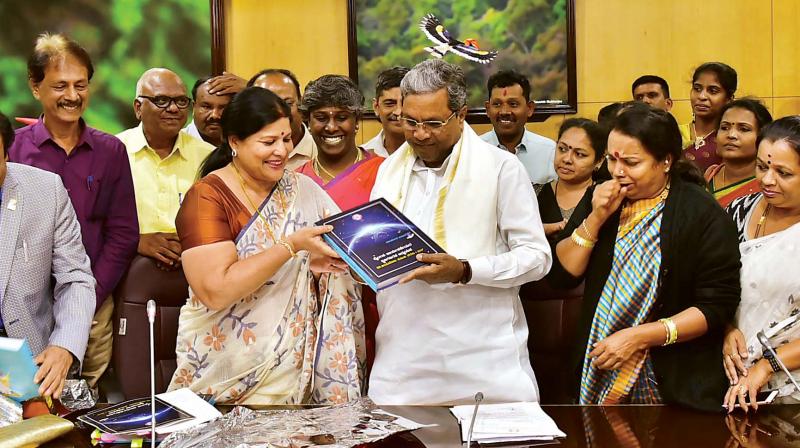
(598, 426)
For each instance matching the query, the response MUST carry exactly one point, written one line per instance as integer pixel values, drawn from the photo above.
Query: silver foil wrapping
(10, 411)
(78, 395)
(340, 426)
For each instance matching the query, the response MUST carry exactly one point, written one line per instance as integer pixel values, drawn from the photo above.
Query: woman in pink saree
(333, 105)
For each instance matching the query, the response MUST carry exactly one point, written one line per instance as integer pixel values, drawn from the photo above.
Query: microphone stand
(151, 317)
(766, 345)
(478, 399)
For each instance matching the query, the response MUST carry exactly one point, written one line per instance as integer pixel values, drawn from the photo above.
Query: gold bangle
(672, 330)
(587, 232)
(288, 247)
(581, 241)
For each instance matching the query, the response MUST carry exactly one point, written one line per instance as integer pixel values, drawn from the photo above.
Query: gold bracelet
(288, 247)
(581, 241)
(666, 330)
(587, 232)
(672, 330)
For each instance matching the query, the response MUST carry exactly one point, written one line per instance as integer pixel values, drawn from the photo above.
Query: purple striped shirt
(97, 176)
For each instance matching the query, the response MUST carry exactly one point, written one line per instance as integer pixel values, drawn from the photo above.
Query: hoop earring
(233, 152)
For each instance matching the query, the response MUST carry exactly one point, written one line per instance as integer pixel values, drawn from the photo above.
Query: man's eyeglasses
(163, 101)
(428, 125)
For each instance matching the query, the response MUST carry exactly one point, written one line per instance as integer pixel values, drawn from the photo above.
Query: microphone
(478, 399)
(151, 317)
(766, 345)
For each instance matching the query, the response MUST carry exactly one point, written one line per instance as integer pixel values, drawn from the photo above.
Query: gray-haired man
(455, 327)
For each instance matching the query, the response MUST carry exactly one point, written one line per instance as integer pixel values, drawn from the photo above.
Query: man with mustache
(386, 105)
(164, 160)
(283, 83)
(455, 326)
(207, 112)
(94, 168)
(509, 108)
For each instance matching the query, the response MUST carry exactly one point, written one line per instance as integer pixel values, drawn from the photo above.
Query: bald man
(284, 83)
(164, 162)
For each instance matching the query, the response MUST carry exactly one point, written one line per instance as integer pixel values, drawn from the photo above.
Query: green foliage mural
(123, 37)
(530, 35)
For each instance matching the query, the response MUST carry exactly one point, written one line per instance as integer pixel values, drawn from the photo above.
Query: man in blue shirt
(509, 107)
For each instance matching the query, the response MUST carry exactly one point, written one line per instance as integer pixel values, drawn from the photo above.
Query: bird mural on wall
(445, 42)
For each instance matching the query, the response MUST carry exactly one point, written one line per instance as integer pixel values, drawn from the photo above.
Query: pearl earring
(233, 152)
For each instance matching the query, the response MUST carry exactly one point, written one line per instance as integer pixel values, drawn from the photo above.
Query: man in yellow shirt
(164, 161)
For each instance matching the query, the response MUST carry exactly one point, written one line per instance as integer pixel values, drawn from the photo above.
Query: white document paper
(189, 402)
(507, 422)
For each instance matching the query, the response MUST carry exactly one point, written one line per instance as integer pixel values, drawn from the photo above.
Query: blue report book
(134, 416)
(17, 370)
(378, 242)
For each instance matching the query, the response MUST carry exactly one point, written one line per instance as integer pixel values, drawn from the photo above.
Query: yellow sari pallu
(284, 343)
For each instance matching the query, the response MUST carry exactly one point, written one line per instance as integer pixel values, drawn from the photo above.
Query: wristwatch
(467, 275)
(772, 361)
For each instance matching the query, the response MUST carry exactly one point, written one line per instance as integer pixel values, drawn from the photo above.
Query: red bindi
(505, 92)
(616, 154)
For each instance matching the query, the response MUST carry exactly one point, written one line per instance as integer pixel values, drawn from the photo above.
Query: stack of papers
(175, 411)
(507, 422)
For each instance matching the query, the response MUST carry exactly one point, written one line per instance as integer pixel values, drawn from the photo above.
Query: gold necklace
(319, 169)
(258, 212)
(763, 220)
(699, 142)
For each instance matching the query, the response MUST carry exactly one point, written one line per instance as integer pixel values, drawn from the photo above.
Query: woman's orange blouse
(210, 213)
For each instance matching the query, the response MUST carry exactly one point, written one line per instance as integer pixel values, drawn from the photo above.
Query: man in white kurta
(456, 327)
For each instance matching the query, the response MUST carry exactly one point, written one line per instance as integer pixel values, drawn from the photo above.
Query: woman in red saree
(739, 127)
(332, 104)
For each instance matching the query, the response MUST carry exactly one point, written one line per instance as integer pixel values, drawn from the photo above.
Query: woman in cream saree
(297, 337)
